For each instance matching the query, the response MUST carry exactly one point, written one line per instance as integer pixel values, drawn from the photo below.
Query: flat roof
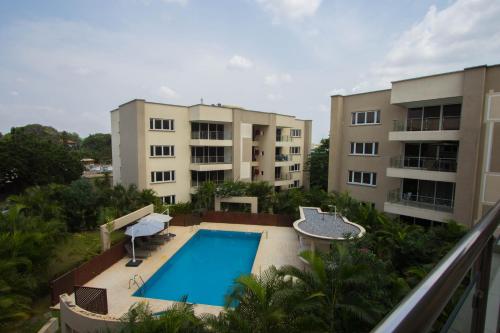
(230, 107)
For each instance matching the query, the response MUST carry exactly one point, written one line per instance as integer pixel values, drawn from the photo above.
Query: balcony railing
(420, 201)
(283, 138)
(470, 258)
(211, 135)
(197, 184)
(425, 163)
(210, 159)
(283, 176)
(427, 124)
(283, 158)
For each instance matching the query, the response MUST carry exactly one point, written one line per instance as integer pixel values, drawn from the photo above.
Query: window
(295, 167)
(168, 199)
(365, 117)
(295, 133)
(161, 124)
(364, 148)
(295, 150)
(161, 151)
(162, 176)
(362, 178)
(296, 184)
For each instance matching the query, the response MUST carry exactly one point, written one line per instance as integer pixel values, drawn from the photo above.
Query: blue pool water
(204, 269)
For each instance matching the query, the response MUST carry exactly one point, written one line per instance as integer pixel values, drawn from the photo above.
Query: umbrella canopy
(155, 217)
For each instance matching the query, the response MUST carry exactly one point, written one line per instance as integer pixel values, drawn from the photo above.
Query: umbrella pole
(133, 249)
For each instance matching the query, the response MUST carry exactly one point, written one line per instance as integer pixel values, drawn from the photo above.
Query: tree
(98, 147)
(317, 165)
(28, 159)
(264, 193)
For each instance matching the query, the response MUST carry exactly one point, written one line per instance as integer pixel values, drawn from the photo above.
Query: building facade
(173, 149)
(428, 149)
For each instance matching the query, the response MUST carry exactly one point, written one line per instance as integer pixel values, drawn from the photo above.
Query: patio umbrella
(143, 228)
(157, 218)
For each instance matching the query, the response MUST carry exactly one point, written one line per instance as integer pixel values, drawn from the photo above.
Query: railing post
(480, 298)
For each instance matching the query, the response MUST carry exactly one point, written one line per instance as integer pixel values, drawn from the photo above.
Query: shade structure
(155, 217)
(143, 228)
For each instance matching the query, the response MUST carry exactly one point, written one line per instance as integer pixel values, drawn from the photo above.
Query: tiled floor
(278, 246)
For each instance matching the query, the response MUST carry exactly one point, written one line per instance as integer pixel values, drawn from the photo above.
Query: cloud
(466, 33)
(239, 62)
(340, 91)
(290, 9)
(14, 93)
(274, 97)
(167, 92)
(178, 2)
(277, 79)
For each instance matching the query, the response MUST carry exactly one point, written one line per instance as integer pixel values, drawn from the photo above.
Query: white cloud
(290, 9)
(14, 93)
(167, 92)
(277, 79)
(466, 33)
(239, 62)
(274, 97)
(340, 91)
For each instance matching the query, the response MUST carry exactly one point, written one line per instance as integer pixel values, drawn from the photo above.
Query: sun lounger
(145, 245)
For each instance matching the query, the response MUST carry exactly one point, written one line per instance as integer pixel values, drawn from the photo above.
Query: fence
(85, 272)
(92, 299)
(185, 220)
(274, 220)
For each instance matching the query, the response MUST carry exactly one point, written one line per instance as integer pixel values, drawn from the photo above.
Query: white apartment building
(172, 149)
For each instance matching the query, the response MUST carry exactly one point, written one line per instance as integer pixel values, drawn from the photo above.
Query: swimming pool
(204, 268)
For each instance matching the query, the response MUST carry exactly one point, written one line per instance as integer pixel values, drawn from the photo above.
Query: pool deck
(278, 246)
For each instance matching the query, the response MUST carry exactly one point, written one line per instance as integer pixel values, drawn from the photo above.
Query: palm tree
(340, 285)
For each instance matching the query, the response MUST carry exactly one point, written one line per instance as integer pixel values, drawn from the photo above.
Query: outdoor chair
(141, 254)
(145, 245)
(155, 240)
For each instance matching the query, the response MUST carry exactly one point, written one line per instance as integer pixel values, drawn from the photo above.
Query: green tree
(27, 159)
(204, 197)
(317, 165)
(98, 147)
(264, 193)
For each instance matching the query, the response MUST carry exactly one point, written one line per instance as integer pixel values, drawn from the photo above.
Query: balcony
(211, 138)
(426, 130)
(209, 163)
(282, 140)
(426, 168)
(281, 179)
(283, 159)
(425, 207)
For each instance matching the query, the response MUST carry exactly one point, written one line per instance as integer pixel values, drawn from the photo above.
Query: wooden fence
(92, 299)
(274, 220)
(185, 220)
(86, 272)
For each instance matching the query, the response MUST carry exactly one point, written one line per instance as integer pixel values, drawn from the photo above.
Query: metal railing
(425, 163)
(283, 176)
(420, 201)
(427, 124)
(282, 158)
(211, 135)
(283, 138)
(210, 159)
(197, 184)
(420, 309)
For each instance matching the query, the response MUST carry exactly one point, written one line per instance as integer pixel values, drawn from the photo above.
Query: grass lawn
(76, 249)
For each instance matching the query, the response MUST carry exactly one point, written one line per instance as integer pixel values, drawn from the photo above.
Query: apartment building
(173, 149)
(428, 149)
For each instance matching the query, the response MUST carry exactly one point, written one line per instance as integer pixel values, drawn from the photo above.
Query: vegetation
(98, 147)
(317, 165)
(348, 289)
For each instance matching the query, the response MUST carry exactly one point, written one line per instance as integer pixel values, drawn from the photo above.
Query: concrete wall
(115, 146)
(427, 88)
(253, 201)
(342, 133)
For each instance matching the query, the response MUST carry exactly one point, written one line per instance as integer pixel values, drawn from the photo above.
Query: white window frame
(296, 184)
(167, 125)
(296, 133)
(155, 175)
(170, 198)
(294, 167)
(170, 148)
(295, 150)
(351, 178)
(354, 118)
(353, 146)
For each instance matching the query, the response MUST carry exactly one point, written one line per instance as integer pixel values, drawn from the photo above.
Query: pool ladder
(133, 281)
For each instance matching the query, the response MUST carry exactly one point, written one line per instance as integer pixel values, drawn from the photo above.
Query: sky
(67, 63)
